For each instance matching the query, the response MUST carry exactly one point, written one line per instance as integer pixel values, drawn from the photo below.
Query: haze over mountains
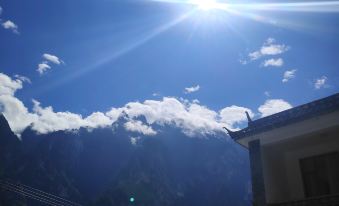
(107, 166)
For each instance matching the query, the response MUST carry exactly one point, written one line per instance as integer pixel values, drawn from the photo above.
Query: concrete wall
(258, 186)
(274, 175)
(282, 174)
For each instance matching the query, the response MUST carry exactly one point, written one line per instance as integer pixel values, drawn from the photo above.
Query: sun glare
(205, 4)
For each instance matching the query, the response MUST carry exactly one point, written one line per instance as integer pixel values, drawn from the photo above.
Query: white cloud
(43, 67)
(11, 26)
(254, 55)
(289, 74)
(43, 120)
(49, 121)
(9, 86)
(320, 82)
(267, 93)
(48, 58)
(134, 140)
(269, 41)
(98, 119)
(273, 106)
(273, 62)
(16, 113)
(13, 109)
(114, 113)
(0, 10)
(269, 48)
(23, 78)
(52, 58)
(273, 49)
(195, 101)
(156, 94)
(192, 89)
(234, 114)
(138, 126)
(191, 117)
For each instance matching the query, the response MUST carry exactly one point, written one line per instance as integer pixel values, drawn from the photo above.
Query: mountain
(9, 145)
(103, 167)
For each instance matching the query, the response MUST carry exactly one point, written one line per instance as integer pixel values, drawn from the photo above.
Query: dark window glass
(320, 174)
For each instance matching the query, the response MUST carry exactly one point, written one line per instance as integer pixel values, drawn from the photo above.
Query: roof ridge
(295, 114)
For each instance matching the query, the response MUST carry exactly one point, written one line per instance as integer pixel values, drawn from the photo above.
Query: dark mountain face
(102, 167)
(10, 147)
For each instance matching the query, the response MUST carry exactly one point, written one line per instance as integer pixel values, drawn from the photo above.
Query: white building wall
(282, 174)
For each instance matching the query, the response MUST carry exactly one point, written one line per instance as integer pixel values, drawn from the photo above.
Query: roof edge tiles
(290, 116)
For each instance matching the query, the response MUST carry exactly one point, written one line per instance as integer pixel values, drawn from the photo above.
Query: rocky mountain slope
(108, 166)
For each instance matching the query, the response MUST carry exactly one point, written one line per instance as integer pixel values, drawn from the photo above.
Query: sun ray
(314, 6)
(115, 55)
(244, 10)
(310, 6)
(256, 11)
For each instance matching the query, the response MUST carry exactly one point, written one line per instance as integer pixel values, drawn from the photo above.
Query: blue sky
(105, 54)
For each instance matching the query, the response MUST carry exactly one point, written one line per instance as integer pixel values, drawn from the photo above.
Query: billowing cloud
(52, 58)
(11, 26)
(140, 127)
(273, 106)
(14, 110)
(269, 48)
(9, 86)
(192, 89)
(273, 62)
(191, 117)
(50, 121)
(234, 115)
(16, 113)
(289, 74)
(320, 82)
(43, 120)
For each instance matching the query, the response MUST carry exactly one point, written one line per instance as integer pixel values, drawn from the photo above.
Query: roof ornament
(230, 133)
(248, 118)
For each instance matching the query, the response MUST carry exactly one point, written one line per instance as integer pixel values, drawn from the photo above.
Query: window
(320, 174)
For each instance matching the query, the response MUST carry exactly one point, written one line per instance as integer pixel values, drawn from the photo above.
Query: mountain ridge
(103, 167)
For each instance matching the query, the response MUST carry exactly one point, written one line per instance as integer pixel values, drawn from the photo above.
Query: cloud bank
(191, 117)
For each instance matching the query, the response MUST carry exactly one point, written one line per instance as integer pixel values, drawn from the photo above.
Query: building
(294, 154)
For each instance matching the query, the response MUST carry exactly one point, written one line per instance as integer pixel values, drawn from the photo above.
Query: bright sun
(205, 4)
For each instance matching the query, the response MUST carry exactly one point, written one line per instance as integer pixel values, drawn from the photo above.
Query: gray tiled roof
(293, 115)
